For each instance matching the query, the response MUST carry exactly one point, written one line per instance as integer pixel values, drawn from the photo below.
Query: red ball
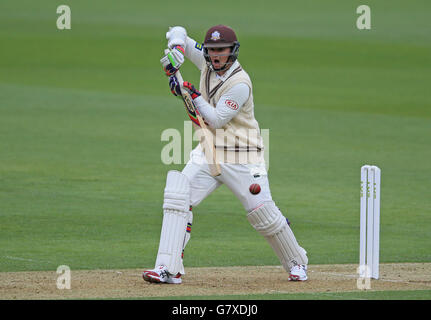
(254, 188)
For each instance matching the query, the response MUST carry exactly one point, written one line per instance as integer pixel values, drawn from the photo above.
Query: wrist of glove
(194, 93)
(174, 85)
(173, 60)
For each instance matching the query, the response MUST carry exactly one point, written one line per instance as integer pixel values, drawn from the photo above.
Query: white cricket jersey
(236, 96)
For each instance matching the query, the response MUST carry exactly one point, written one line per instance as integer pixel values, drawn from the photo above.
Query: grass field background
(82, 112)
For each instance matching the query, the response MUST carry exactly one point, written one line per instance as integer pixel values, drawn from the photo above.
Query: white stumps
(369, 245)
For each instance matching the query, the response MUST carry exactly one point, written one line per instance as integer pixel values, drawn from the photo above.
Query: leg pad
(176, 215)
(272, 225)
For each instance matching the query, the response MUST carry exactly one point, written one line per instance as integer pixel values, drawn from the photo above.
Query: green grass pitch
(82, 112)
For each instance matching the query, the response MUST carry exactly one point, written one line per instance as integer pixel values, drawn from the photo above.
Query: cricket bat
(206, 137)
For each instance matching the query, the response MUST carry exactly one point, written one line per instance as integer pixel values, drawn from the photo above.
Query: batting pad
(176, 215)
(177, 192)
(272, 225)
(186, 238)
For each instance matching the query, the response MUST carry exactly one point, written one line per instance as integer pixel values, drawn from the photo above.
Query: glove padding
(173, 60)
(176, 36)
(175, 86)
(191, 89)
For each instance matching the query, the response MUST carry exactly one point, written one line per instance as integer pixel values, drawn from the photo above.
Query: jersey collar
(228, 72)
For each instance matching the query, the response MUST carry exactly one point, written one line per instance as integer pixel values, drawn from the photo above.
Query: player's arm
(227, 107)
(194, 52)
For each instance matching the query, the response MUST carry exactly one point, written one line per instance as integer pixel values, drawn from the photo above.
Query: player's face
(219, 56)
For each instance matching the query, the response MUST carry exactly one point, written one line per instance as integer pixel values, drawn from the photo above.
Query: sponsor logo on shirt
(198, 46)
(231, 104)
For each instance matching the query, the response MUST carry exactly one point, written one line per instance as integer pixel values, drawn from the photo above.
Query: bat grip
(179, 78)
(181, 81)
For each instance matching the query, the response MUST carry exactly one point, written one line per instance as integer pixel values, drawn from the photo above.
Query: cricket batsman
(225, 102)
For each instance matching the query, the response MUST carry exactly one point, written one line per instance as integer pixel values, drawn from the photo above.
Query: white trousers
(237, 177)
(262, 212)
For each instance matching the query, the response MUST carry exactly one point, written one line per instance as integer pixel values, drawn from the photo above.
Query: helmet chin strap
(226, 66)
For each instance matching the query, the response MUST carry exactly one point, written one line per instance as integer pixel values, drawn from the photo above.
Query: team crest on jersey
(215, 36)
(231, 104)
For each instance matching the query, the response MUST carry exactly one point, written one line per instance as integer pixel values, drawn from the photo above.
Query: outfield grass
(82, 112)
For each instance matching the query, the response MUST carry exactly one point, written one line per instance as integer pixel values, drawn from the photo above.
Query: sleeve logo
(231, 104)
(198, 46)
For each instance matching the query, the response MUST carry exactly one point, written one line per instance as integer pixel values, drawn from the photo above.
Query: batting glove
(191, 89)
(175, 86)
(173, 60)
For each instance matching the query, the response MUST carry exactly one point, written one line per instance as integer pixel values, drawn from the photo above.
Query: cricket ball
(254, 188)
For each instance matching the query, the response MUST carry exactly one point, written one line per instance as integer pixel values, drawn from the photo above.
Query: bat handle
(179, 78)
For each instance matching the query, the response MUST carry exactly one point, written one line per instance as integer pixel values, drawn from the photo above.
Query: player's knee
(177, 192)
(267, 219)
